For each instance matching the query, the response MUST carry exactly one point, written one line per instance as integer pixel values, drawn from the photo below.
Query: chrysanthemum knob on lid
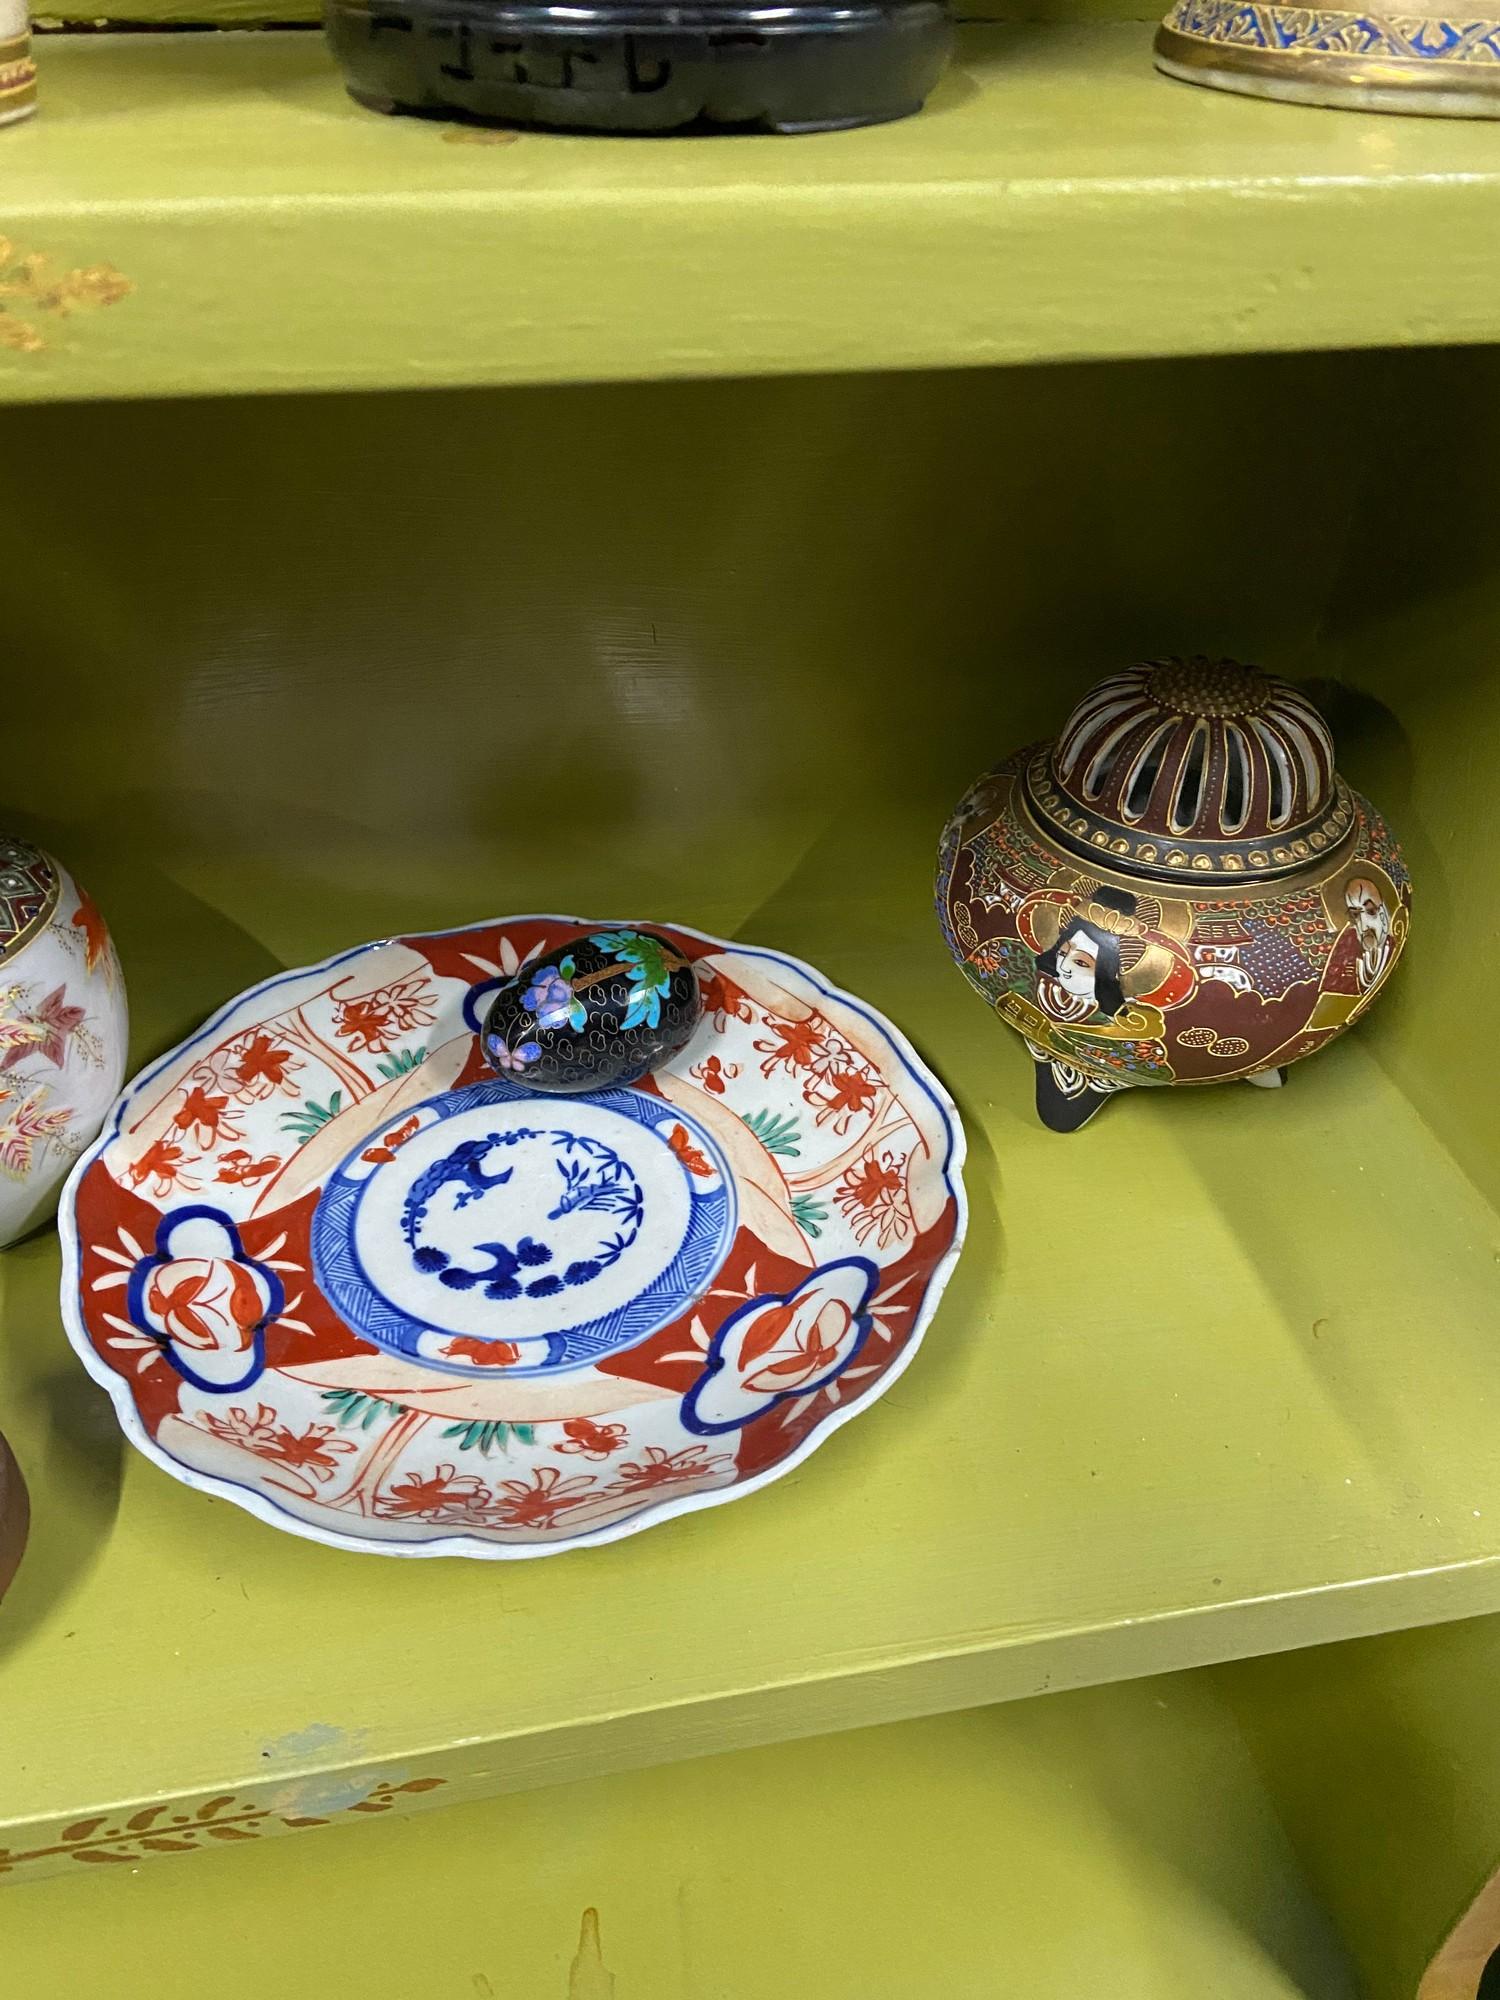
(606, 1009)
(62, 1030)
(1179, 889)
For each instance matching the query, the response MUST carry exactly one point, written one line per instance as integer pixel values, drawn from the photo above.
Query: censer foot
(1067, 1098)
(1268, 1079)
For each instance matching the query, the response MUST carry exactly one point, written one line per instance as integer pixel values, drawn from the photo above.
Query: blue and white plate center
(511, 1221)
(568, 1229)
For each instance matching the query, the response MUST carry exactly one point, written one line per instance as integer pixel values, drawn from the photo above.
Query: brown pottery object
(15, 1515)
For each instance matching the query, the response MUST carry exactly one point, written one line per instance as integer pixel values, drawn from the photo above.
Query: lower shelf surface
(1249, 1439)
(1114, 1842)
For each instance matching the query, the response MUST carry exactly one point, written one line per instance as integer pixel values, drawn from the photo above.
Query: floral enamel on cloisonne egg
(605, 1010)
(1179, 889)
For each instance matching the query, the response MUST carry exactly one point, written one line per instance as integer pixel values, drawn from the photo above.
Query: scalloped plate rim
(469, 1547)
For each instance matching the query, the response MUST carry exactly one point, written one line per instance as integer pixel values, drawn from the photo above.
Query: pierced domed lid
(1191, 768)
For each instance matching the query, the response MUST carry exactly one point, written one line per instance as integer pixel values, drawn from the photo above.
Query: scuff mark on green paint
(321, 1796)
(313, 1741)
(321, 1793)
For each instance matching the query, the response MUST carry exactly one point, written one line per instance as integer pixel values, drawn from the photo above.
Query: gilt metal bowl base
(1348, 61)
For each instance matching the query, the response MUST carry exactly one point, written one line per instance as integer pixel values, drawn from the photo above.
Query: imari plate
(331, 1267)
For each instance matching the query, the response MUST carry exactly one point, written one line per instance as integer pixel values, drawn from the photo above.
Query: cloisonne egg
(1180, 889)
(604, 1009)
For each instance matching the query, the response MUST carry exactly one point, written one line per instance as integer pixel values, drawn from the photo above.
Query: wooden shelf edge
(223, 204)
(309, 1791)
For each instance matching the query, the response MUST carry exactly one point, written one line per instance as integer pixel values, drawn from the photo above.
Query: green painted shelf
(1117, 1842)
(1057, 200)
(1047, 1498)
(1218, 1377)
(1384, 1762)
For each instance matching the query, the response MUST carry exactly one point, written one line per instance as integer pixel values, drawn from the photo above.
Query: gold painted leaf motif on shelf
(34, 294)
(105, 1837)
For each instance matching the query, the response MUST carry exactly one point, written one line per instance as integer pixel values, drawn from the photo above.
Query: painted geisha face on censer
(1371, 919)
(1077, 964)
(1080, 975)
